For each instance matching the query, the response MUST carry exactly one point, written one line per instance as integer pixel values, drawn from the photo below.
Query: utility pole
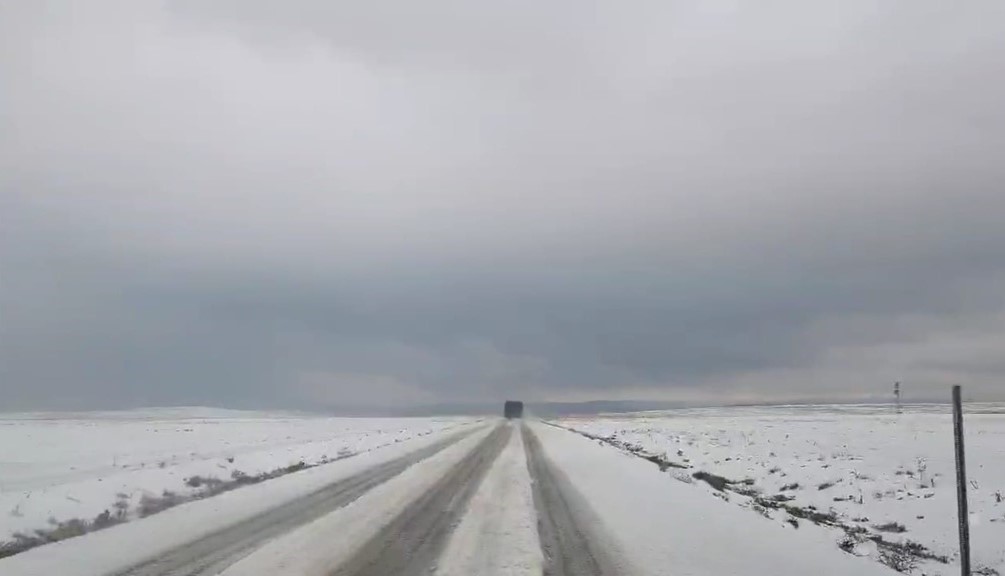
(961, 483)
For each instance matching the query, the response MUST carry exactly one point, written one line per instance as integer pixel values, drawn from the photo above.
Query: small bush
(793, 486)
(64, 530)
(826, 519)
(899, 560)
(239, 476)
(210, 484)
(848, 544)
(59, 531)
(660, 461)
(20, 543)
(894, 527)
(825, 486)
(713, 480)
(154, 504)
(295, 467)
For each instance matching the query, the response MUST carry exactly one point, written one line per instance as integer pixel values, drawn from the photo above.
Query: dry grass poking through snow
(149, 504)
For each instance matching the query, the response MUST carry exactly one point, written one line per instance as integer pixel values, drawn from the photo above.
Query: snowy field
(859, 473)
(789, 490)
(490, 497)
(55, 467)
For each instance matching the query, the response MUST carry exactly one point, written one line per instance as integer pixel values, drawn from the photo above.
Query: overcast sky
(316, 203)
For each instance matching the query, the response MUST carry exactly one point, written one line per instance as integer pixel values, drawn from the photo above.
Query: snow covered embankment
(665, 527)
(883, 481)
(55, 468)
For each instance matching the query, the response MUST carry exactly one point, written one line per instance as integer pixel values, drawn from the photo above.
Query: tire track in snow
(570, 547)
(413, 542)
(498, 534)
(213, 553)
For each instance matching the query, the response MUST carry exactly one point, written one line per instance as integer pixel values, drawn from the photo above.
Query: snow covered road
(413, 541)
(506, 498)
(211, 554)
(567, 527)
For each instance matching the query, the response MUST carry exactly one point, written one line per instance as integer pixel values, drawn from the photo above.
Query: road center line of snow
(498, 534)
(413, 541)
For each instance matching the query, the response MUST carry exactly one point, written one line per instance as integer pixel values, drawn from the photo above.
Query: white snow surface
(59, 466)
(127, 544)
(498, 534)
(650, 522)
(664, 527)
(868, 464)
(315, 548)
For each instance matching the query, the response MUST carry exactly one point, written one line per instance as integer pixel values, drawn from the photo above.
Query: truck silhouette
(513, 409)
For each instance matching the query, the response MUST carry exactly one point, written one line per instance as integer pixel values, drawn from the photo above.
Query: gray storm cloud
(317, 204)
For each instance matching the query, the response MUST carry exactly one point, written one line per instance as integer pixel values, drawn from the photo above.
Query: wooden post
(961, 483)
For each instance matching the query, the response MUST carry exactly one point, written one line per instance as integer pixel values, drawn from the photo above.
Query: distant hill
(496, 408)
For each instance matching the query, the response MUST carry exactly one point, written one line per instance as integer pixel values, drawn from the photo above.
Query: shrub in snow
(150, 504)
(895, 527)
(713, 480)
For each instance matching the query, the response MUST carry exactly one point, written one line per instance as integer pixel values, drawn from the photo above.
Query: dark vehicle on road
(513, 409)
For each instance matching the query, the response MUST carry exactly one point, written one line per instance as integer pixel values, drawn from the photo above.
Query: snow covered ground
(653, 526)
(463, 496)
(491, 498)
(58, 466)
(874, 471)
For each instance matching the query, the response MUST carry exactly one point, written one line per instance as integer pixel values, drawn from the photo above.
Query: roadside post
(961, 483)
